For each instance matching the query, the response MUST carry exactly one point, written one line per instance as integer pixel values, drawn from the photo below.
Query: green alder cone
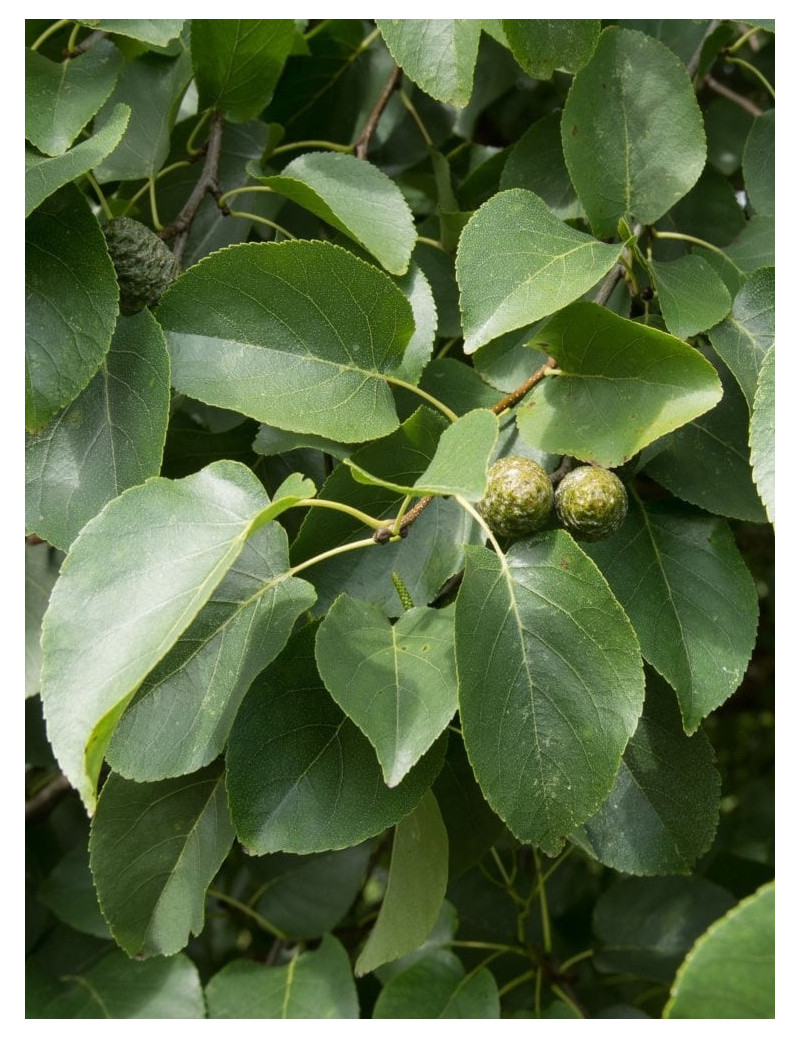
(519, 497)
(591, 502)
(144, 263)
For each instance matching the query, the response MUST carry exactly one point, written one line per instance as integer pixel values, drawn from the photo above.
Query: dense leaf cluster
(330, 748)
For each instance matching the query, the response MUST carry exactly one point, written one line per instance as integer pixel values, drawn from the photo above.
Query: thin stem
(547, 936)
(81, 48)
(559, 992)
(755, 72)
(451, 415)
(401, 512)
(100, 196)
(470, 944)
(500, 866)
(408, 104)
(734, 47)
(146, 187)
(243, 908)
(151, 185)
(368, 40)
(201, 122)
(262, 220)
(362, 544)
(680, 237)
(248, 188)
(479, 519)
(529, 974)
(73, 38)
(37, 43)
(341, 507)
(432, 242)
(572, 961)
(362, 144)
(329, 146)
(555, 865)
(731, 95)
(537, 993)
(445, 349)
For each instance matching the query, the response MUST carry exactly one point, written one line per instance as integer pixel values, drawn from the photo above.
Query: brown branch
(731, 95)
(208, 183)
(39, 807)
(362, 144)
(563, 468)
(609, 284)
(516, 395)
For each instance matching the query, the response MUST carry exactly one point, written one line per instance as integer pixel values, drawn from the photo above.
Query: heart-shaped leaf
(549, 673)
(134, 579)
(261, 328)
(356, 198)
(396, 682)
(154, 850)
(620, 385)
(517, 262)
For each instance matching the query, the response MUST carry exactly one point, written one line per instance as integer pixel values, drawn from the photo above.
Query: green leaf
(754, 247)
(690, 598)
(304, 896)
(517, 262)
(692, 295)
(301, 776)
(69, 892)
(536, 163)
(549, 674)
(730, 970)
(439, 54)
(710, 211)
(661, 815)
(272, 441)
(71, 300)
(41, 570)
(117, 987)
(152, 87)
(758, 164)
(439, 987)
(459, 465)
(509, 360)
(632, 131)
(44, 175)
(707, 461)
(681, 35)
(396, 682)
(744, 337)
(157, 31)
(261, 328)
(154, 851)
(727, 127)
(453, 383)
(237, 62)
(356, 198)
(472, 827)
(762, 434)
(134, 579)
(415, 889)
(417, 289)
(621, 385)
(61, 97)
(314, 984)
(109, 438)
(542, 46)
(646, 925)
(181, 715)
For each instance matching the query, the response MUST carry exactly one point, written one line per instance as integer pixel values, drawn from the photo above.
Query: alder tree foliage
(304, 736)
